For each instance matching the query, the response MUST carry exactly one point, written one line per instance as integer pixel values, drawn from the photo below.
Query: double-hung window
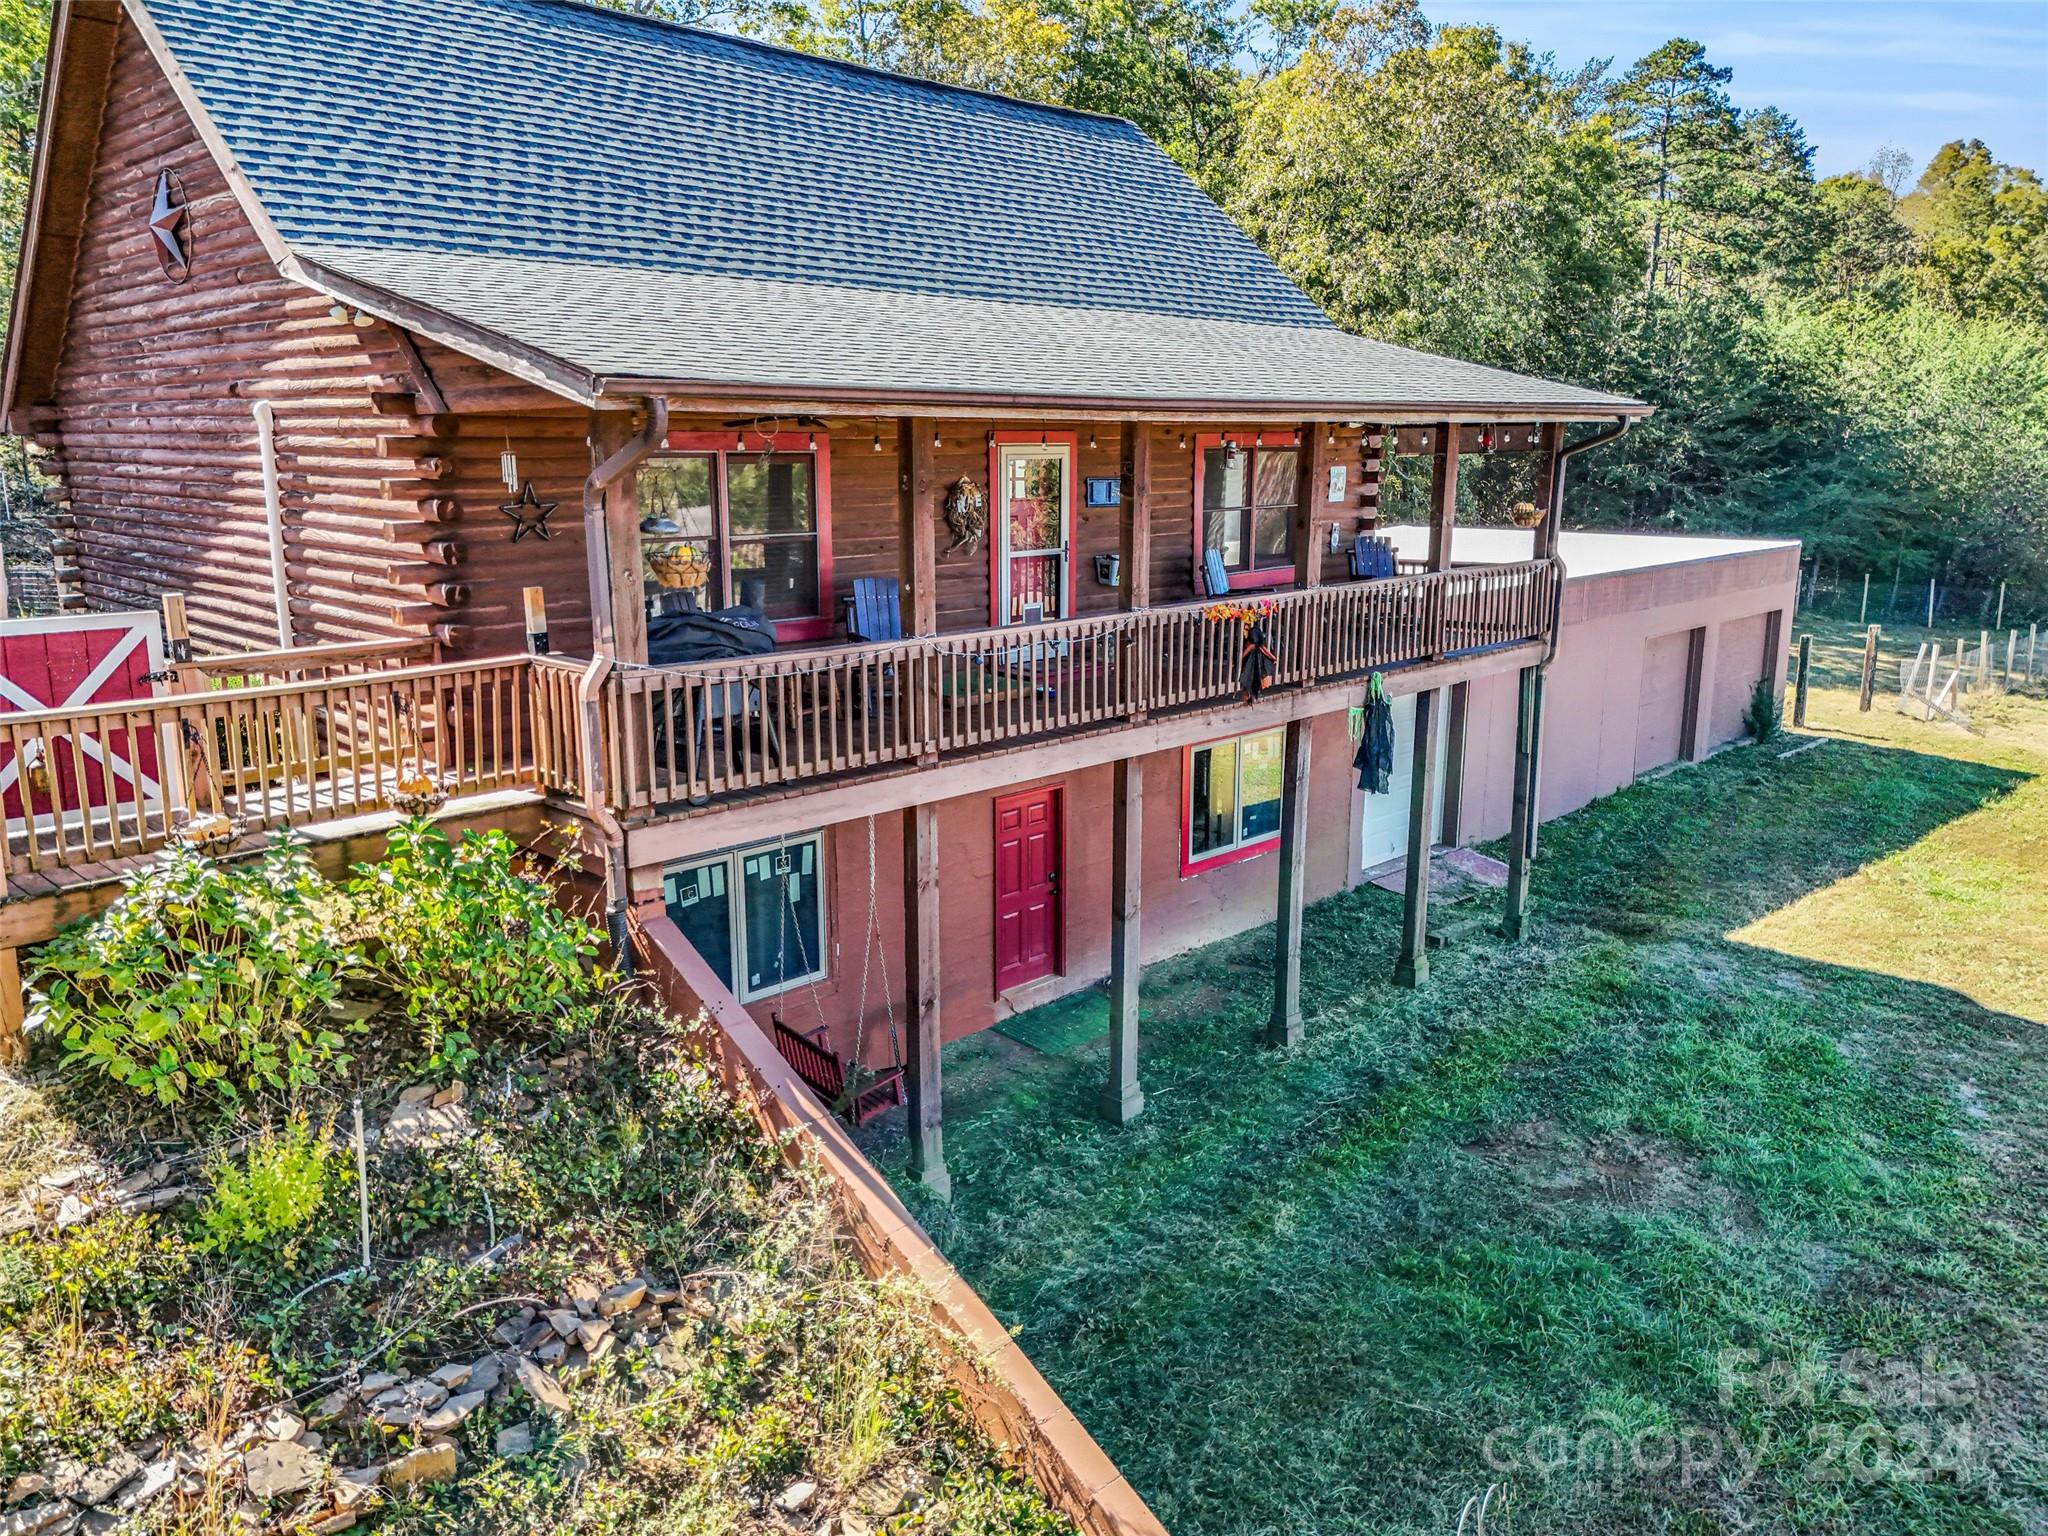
(1245, 494)
(1232, 801)
(756, 915)
(741, 518)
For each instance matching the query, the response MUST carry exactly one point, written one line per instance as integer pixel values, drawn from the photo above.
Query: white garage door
(1385, 835)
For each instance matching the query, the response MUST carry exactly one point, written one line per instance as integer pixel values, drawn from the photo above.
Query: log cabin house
(451, 367)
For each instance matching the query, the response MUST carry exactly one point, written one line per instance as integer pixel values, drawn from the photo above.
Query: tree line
(1860, 361)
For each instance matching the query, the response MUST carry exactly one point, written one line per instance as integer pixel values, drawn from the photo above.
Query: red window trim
(999, 524)
(723, 445)
(1240, 581)
(1190, 865)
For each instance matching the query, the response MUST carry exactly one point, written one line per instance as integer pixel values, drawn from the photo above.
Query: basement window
(740, 519)
(1231, 808)
(756, 915)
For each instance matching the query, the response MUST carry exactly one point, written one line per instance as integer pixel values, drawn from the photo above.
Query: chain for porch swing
(872, 949)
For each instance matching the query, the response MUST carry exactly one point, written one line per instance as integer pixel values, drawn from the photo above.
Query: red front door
(1029, 856)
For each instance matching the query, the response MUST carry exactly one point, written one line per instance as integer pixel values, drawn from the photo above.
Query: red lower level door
(1029, 856)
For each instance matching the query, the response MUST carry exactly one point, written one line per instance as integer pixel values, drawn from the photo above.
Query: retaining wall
(1003, 1391)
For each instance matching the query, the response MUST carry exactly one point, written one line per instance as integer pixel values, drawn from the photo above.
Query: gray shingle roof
(627, 198)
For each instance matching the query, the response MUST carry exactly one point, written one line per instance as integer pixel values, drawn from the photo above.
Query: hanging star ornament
(167, 215)
(529, 514)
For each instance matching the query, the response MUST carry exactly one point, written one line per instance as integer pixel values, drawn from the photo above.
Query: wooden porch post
(1311, 476)
(1443, 496)
(1524, 807)
(917, 536)
(921, 972)
(1135, 543)
(1284, 1028)
(1134, 562)
(1122, 1099)
(619, 617)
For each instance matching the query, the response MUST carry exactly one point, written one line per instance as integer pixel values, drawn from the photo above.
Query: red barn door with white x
(74, 663)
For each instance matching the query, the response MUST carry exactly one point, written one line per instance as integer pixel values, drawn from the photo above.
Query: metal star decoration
(529, 514)
(167, 214)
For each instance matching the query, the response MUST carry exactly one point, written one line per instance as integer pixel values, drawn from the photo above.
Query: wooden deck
(683, 737)
(349, 735)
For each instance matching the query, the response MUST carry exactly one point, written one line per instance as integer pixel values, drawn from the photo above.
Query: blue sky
(1857, 74)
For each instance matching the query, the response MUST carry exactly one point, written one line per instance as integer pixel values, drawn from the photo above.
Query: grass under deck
(1769, 1075)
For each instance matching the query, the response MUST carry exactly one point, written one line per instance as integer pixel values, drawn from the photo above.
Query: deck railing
(82, 786)
(86, 785)
(700, 732)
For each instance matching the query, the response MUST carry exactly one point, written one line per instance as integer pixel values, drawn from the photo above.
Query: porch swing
(852, 1092)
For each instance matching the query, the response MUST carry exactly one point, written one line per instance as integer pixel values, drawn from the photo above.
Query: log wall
(864, 509)
(390, 488)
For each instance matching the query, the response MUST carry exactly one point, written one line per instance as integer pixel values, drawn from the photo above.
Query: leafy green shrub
(276, 1189)
(462, 933)
(1762, 715)
(204, 975)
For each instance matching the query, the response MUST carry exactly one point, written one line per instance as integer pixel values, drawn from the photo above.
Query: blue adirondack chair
(874, 613)
(1215, 580)
(875, 610)
(1371, 557)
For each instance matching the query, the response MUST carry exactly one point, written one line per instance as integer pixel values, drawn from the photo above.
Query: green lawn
(1768, 1077)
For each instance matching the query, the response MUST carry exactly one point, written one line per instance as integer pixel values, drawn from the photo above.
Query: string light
(739, 442)
(813, 442)
(935, 437)
(1183, 439)
(1091, 439)
(878, 442)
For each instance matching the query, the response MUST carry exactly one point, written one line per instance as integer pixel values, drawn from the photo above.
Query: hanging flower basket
(1526, 514)
(418, 793)
(209, 832)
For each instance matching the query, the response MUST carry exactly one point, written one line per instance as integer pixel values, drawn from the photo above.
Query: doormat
(1061, 1026)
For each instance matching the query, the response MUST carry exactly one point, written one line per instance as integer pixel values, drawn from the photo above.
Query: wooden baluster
(18, 755)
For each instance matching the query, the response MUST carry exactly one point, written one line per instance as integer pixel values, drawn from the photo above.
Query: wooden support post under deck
(1524, 804)
(921, 969)
(1122, 1099)
(1458, 700)
(13, 1042)
(1284, 1028)
(1550, 475)
(1412, 969)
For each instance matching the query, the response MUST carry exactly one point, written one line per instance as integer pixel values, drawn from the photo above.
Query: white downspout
(273, 507)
